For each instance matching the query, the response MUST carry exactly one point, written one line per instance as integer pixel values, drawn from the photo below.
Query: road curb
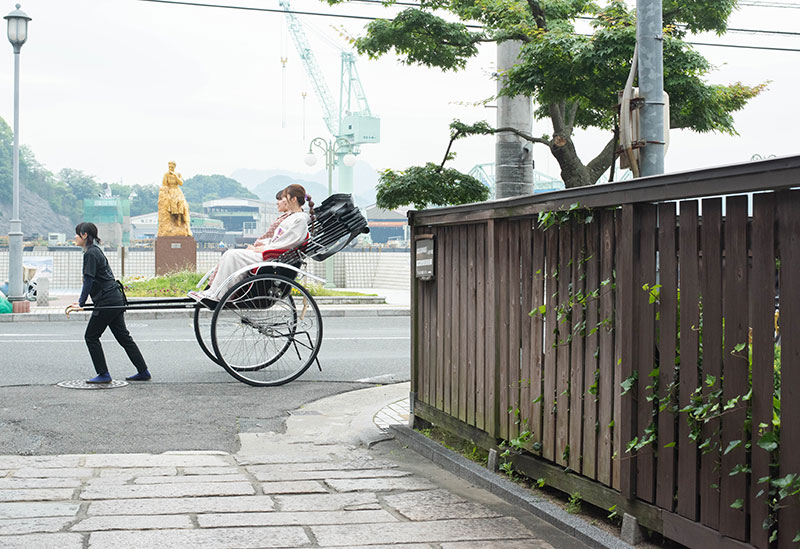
(326, 312)
(510, 492)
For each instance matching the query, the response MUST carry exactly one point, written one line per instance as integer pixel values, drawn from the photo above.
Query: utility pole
(513, 155)
(650, 37)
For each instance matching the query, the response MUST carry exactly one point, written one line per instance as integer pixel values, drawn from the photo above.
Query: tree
(207, 187)
(573, 78)
(432, 185)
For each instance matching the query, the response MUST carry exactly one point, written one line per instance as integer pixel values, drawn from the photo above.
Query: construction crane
(353, 121)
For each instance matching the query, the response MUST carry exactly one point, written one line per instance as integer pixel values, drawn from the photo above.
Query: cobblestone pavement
(292, 489)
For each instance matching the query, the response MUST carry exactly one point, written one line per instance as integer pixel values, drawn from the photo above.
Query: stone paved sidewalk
(317, 485)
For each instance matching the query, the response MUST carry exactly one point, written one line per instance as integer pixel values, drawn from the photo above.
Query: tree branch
(524, 135)
(538, 14)
(570, 122)
(556, 115)
(602, 161)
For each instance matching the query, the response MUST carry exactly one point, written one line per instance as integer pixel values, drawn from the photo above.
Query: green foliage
(574, 503)
(178, 283)
(428, 185)
(209, 187)
(572, 78)
(420, 38)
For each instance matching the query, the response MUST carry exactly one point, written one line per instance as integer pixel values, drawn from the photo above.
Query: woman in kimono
(290, 230)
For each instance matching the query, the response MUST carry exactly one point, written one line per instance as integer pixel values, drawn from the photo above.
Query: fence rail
(589, 333)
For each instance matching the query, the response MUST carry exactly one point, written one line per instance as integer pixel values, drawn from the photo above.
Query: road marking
(173, 340)
(28, 335)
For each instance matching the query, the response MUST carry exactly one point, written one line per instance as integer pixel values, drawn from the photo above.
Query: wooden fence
(585, 331)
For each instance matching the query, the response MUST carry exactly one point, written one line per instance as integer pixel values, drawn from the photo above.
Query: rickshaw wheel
(259, 336)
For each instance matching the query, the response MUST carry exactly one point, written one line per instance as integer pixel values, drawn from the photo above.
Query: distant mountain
(36, 215)
(267, 190)
(265, 183)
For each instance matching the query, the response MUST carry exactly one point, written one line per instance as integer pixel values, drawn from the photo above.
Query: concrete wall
(371, 269)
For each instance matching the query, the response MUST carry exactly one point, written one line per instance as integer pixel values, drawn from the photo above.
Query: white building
(242, 216)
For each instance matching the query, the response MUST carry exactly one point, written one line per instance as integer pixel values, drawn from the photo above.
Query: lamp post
(335, 151)
(17, 34)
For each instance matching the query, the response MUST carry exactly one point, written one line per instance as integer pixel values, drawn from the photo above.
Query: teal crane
(353, 123)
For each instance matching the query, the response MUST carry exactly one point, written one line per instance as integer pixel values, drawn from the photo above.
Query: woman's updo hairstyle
(90, 230)
(299, 192)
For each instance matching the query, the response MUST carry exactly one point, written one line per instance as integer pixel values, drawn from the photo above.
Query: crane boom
(312, 68)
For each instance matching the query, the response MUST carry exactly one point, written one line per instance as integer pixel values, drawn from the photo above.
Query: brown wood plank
(617, 448)
(562, 355)
(762, 309)
(606, 388)
(424, 340)
(735, 364)
(590, 349)
(491, 426)
(712, 354)
(471, 334)
(431, 395)
(576, 417)
(526, 279)
(441, 314)
(628, 268)
(695, 535)
(455, 342)
(463, 356)
(550, 335)
(646, 360)
(514, 377)
(789, 239)
(667, 351)
(537, 335)
(567, 482)
(447, 288)
(480, 331)
(503, 321)
(689, 322)
(413, 328)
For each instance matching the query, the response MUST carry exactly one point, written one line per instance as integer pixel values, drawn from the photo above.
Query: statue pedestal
(175, 253)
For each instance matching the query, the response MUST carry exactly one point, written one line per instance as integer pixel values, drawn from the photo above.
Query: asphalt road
(191, 403)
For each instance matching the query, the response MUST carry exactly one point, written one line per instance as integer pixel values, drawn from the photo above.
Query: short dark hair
(90, 230)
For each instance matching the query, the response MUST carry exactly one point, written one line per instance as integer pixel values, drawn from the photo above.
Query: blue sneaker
(102, 378)
(140, 376)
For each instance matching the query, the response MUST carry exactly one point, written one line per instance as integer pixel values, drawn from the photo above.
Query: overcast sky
(117, 88)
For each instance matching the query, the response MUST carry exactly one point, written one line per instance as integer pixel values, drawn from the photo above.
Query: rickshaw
(266, 329)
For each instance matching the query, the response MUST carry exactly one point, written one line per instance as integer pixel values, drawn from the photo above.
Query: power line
(247, 8)
(756, 4)
(363, 17)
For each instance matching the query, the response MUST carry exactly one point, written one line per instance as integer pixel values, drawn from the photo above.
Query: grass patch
(179, 283)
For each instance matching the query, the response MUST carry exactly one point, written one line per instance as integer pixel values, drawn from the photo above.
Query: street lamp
(17, 35)
(340, 147)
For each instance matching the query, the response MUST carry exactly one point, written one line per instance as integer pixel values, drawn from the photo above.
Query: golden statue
(173, 210)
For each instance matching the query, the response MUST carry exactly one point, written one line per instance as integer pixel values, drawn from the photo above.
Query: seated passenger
(288, 231)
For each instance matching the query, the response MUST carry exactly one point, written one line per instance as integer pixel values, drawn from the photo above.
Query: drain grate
(81, 384)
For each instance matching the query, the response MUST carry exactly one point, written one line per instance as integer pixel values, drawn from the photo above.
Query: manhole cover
(81, 384)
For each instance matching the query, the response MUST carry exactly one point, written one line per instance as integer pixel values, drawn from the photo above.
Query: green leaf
(738, 504)
(739, 347)
(768, 441)
(733, 444)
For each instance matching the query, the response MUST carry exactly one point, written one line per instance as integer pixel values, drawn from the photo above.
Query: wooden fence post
(627, 269)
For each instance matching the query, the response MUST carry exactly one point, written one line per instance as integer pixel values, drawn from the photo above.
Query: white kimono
(291, 232)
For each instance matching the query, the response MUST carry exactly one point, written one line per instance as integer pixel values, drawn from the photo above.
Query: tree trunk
(573, 171)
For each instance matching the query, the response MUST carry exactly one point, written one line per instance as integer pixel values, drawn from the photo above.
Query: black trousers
(98, 322)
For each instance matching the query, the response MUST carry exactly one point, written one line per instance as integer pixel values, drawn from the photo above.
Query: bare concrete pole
(649, 35)
(513, 155)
